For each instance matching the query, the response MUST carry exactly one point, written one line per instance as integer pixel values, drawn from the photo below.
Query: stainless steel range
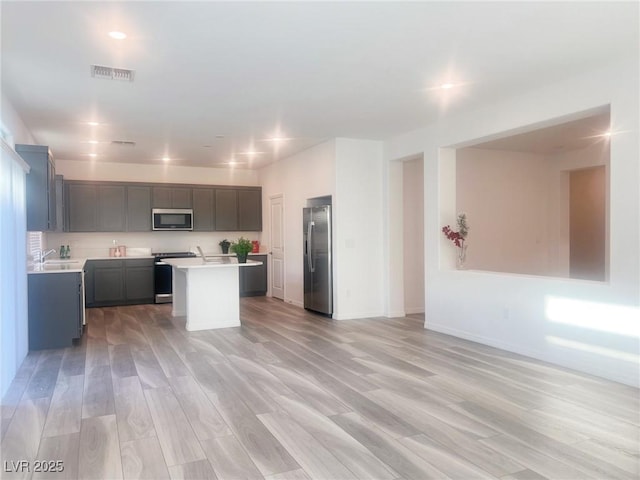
(163, 281)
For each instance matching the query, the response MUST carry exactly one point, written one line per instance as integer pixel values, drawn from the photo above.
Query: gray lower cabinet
(138, 281)
(55, 309)
(119, 282)
(253, 280)
(41, 188)
(108, 282)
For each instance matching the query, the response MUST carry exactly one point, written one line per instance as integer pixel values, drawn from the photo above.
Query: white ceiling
(214, 79)
(562, 137)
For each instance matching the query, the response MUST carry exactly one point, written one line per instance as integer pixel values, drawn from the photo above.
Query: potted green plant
(241, 248)
(224, 244)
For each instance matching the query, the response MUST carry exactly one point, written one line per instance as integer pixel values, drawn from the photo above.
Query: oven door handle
(161, 263)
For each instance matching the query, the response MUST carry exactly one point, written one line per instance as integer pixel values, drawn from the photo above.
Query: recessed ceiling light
(93, 155)
(93, 124)
(276, 139)
(165, 159)
(92, 142)
(447, 86)
(607, 134)
(117, 35)
(250, 153)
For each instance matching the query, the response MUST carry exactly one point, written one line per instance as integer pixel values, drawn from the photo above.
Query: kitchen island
(206, 291)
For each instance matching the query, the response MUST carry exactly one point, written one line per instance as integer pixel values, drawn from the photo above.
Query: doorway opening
(587, 223)
(277, 267)
(413, 234)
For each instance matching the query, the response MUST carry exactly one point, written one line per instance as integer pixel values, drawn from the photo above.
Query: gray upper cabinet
(60, 202)
(41, 187)
(118, 207)
(172, 197)
(204, 214)
(250, 210)
(181, 198)
(82, 201)
(238, 209)
(226, 209)
(111, 208)
(138, 208)
(95, 208)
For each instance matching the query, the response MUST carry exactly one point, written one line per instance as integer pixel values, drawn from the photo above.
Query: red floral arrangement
(457, 237)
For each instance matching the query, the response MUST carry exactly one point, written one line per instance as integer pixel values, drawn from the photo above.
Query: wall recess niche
(537, 201)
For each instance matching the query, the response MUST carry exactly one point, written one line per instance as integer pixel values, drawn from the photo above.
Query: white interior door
(277, 246)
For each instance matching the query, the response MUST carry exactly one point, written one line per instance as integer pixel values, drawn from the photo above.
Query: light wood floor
(291, 395)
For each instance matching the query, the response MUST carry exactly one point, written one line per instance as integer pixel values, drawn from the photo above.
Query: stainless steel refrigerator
(318, 277)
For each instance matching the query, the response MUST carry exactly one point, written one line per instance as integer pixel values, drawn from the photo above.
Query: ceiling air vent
(123, 143)
(99, 71)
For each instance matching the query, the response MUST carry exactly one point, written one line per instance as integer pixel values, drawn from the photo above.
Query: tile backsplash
(84, 245)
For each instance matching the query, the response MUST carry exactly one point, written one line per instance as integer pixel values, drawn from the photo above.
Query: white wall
(505, 196)
(589, 326)
(351, 172)
(308, 174)
(413, 235)
(358, 230)
(166, 173)
(13, 122)
(96, 244)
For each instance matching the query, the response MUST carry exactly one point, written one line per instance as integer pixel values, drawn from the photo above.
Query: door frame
(284, 253)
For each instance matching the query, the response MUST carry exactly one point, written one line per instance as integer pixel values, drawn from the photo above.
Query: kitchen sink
(60, 262)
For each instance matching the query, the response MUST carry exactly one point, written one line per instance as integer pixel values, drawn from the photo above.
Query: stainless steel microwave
(172, 219)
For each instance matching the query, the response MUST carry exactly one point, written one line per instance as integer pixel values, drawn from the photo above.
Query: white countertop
(74, 265)
(218, 261)
(77, 264)
(208, 254)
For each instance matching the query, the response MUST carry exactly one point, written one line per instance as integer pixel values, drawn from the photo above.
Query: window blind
(34, 243)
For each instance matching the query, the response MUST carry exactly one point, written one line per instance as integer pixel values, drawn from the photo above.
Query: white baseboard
(414, 310)
(294, 302)
(396, 314)
(207, 326)
(596, 368)
(357, 315)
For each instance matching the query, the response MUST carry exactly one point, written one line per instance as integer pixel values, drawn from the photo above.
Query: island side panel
(213, 298)
(179, 292)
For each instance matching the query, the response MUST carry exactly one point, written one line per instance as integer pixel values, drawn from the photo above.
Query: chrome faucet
(42, 255)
